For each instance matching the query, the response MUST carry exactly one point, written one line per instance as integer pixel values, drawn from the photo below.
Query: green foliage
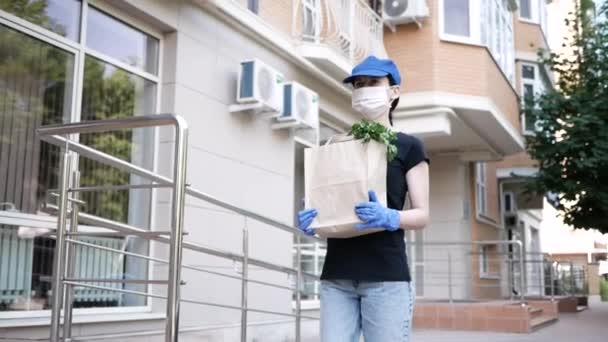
(604, 290)
(367, 130)
(571, 141)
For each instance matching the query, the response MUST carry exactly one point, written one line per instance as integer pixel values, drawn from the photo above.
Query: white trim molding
(516, 172)
(512, 140)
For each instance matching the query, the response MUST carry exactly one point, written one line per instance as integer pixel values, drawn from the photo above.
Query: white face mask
(371, 102)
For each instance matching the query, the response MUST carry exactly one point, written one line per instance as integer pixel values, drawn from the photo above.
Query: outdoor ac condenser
(300, 108)
(260, 84)
(404, 11)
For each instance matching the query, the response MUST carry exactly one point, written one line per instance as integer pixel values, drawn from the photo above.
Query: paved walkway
(590, 325)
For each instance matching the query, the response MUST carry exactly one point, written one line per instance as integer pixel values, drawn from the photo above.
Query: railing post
(298, 288)
(522, 273)
(245, 275)
(552, 281)
(510, 274)
(177, 225)
(59, 257)
(70, 264)
(541, 276)
(450, 276)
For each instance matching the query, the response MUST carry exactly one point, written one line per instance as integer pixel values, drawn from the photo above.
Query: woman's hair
(390, 112)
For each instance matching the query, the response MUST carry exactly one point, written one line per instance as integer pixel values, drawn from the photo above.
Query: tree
(571, 140)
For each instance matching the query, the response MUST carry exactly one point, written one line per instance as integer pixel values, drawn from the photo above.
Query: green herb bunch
(367, 130)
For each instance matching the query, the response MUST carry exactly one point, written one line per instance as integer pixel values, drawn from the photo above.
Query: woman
(366, 285)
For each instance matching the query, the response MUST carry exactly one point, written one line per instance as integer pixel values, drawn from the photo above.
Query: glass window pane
(525, 9)
(35, 89)
(110, 92)
(529, 122)
(527, 71)
(456, 17)
(59, 16)
(128, 44)
(528, 91)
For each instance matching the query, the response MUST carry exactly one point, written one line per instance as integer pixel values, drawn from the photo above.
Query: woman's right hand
(305, 218)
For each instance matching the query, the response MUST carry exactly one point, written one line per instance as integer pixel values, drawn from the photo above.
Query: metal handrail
(62, 278)
(161, 180)
(481, 243)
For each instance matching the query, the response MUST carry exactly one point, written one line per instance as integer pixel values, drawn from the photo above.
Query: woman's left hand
(376, 215)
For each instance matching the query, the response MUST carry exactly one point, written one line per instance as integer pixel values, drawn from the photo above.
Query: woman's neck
(383, 120)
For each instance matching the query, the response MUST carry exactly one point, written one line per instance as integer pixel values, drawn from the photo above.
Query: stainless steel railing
(445, 260)
(63, 280)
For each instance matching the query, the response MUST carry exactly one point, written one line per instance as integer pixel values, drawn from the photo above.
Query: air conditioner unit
(300, 108)
(259, 88)
(404, 11)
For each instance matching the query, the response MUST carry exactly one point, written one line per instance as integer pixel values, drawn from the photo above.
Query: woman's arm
(418, 187)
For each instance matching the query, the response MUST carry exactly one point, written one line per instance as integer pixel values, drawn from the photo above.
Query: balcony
(336, 34)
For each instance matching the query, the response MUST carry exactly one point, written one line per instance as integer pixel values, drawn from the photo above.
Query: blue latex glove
(376, 215)
(305, 218)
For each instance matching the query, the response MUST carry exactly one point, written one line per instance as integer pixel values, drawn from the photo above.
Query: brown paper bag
(337, 177)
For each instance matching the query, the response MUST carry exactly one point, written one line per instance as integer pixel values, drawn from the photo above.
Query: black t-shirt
(378, 256)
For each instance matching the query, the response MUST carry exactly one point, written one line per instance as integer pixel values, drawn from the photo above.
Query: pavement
(590, 325)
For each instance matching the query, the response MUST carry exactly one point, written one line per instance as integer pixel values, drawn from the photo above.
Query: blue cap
(376, 67)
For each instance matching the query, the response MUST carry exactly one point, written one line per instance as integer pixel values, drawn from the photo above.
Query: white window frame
(312, 7)
(481, 193)
(474, 37)
(316, 251)
(538, 14)
(480, 36)
(538, 87)
(512, 202)
(484, 264)
(532, 12)
(79, 50)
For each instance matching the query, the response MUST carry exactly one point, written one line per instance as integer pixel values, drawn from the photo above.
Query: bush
(604, 290)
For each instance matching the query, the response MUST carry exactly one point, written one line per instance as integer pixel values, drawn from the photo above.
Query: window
(484, 262)
(253, 6)
(525, 9)
(42, 85)
(480, 188)
(509, 202)
(534, 11)
(532, 85)
(489, 262)
(59, 16)
(456, 18)
(481, 22)
(311, 19)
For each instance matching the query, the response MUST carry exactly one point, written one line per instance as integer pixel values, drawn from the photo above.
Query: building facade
(466, 65)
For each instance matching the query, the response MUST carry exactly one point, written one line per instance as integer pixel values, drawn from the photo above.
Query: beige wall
(521, 159)
(484, 288)
(529, 37)
(278, 14)
(593, 279)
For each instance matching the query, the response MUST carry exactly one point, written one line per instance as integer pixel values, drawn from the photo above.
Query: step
(535, 312)
(541, 322)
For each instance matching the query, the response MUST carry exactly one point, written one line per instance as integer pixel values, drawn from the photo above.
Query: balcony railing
(349, 28)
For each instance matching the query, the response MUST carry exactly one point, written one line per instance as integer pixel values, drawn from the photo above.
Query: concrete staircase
(539, 319)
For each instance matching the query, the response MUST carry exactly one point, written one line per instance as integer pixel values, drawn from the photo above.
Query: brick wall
(278, 14)
(429, 64)
(484, 288)
(528, 37)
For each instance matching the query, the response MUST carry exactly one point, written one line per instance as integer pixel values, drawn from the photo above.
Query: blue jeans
(381, 310)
